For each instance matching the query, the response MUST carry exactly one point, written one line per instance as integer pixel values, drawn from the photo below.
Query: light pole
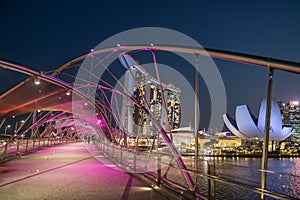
(8, 126)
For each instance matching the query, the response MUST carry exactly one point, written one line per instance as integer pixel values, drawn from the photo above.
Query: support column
(196, 115)
(211, 181)
(266, 133)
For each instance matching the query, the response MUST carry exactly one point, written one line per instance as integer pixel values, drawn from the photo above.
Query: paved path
(68, 172)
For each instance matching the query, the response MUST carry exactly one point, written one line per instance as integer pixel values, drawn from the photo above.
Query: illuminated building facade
(146, 90)
(149, 92)
(246, 128)
(173, 109)
(290, 114)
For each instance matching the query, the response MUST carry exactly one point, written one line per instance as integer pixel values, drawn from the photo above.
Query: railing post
(264, 166)
(113, 150)
(104, 146)
(26, 145)
(18, 145)
(196, 113)
(107, 146)
(211, 181)
(134, 161)
(158, 169)
(33, 141)
(5, 150)
(121, 152)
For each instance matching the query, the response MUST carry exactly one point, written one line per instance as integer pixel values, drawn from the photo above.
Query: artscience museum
(247, 128)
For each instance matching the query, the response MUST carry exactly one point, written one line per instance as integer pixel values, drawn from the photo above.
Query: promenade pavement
(68, 171)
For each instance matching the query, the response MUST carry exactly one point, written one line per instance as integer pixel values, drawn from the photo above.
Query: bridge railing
(160, 171)
(11, 149)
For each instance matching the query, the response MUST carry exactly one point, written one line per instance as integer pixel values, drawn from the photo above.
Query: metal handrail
(182, 190)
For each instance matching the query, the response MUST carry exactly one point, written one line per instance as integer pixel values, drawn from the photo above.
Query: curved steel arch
(220, 54)
(214, 53)
(53, 80)
(227, 55)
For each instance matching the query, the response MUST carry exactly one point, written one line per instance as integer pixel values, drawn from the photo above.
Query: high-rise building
(148, 94)
(290, 113)
(173, 109)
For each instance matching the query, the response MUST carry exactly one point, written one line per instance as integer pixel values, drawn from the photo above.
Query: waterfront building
(247, 129)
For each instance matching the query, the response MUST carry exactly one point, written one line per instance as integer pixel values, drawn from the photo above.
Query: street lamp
(37, 81)
(8, 126)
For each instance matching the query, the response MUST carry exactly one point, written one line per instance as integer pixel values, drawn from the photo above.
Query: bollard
(158, 169)
(211, 181)
(39, 143)
(33, 144)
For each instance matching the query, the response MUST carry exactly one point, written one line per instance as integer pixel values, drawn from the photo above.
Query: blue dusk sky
(44, 35)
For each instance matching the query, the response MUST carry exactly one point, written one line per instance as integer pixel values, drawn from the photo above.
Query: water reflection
(285, 179)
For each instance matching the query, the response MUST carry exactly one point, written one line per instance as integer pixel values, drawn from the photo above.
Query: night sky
(44, 35)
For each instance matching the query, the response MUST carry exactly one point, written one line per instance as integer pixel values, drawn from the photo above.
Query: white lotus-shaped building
(246, 127)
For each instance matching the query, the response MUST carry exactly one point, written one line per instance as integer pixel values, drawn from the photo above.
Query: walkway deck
(68, 171)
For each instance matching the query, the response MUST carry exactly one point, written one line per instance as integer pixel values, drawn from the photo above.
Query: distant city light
(294, 103)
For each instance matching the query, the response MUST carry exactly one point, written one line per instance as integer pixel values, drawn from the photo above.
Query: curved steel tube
(221, 54)
(53, 80)
(283, 65)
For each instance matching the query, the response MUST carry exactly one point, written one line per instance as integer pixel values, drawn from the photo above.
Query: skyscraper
(290, 113)
(148, 94)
